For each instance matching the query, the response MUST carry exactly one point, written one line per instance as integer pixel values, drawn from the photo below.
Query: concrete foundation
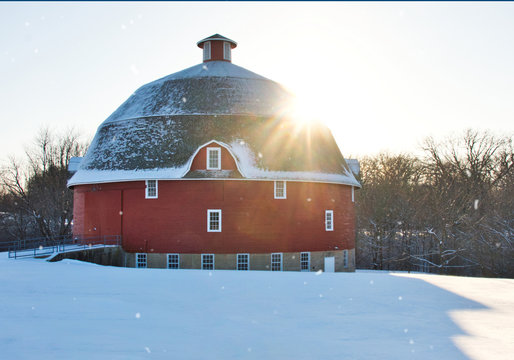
(116, 256)
(290, 261)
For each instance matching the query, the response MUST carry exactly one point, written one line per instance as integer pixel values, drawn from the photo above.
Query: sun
(308, 109)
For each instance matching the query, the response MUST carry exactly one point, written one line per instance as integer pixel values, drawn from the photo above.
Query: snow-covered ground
(75, 310)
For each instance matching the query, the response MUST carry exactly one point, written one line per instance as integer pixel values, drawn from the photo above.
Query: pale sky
(383, 76)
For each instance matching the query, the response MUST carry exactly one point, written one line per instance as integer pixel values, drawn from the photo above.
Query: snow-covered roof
(216, 87)
(156, 132)
(163, 147)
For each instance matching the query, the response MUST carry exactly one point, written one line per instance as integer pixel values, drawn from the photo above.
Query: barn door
(329, 264)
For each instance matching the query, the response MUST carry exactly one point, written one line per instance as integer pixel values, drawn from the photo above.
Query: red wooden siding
(216, 51)
(252, 220)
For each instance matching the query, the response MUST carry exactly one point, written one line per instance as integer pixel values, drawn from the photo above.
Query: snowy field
(75, 310)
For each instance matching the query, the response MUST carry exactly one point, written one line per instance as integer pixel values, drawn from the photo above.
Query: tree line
(34, 199)
(450, 211)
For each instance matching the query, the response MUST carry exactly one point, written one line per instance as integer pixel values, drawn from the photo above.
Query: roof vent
(217, 48)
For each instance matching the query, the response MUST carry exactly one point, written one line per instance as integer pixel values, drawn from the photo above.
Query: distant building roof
(74, 164)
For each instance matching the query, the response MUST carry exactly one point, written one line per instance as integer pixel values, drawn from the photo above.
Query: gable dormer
(213, 160)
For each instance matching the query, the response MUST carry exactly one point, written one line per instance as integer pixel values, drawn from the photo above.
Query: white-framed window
(173, 261)
(280, 190)
(276, 262)
(213, 158)
(207, 261)
(243, 262)
(151, 189)
(140, 260)
(329, 220)
(353, 194)
(226, 51)
(207, 50)
(345, 258)
(305, 261)
(214, 220)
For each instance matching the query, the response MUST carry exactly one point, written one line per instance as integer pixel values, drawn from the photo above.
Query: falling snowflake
(138, 315)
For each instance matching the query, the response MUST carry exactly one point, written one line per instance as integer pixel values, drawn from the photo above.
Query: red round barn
(206, 168)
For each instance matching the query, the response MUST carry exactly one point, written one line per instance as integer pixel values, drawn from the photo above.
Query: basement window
(213, 158)
(305, 261)
(280, 190)
(329, 220)
(207, 51)
(173, 261)
(151, 191)
(207, 261)
(276, 262)
(140, 260)
(213, 220)
(243, 262)
(227, 51)
(345, 258)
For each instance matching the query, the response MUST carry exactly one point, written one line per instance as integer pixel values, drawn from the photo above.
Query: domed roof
(213, 88)
(156, 133)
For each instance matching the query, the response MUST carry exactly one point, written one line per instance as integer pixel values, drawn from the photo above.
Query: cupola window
(214, 158)
(207, 51)
(226, 51)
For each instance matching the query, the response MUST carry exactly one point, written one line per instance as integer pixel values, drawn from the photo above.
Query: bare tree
(465, 180)
(37, 188)
(450, 212)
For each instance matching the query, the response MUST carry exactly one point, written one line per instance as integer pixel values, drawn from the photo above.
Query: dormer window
(226, 51)
(207, 51)
(213, 158)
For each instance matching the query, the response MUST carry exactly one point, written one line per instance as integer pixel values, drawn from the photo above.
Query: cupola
(217, 48)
